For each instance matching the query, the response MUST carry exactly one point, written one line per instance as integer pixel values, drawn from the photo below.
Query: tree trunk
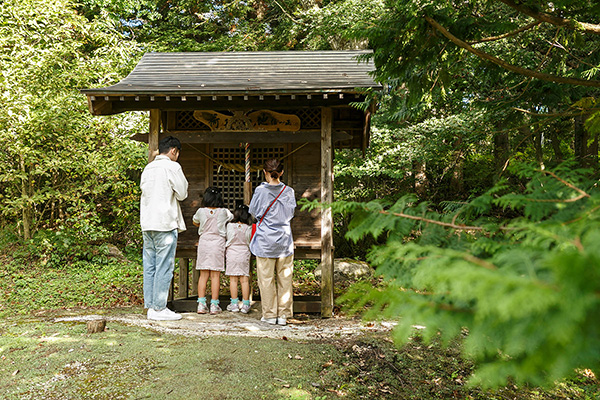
(26, 212)
(579, 140)
(585, 146)
(420, 178)
(501, 152)
(457, 181)
(555, 142)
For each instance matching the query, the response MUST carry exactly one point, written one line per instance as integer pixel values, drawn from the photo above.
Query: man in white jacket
(163, 186)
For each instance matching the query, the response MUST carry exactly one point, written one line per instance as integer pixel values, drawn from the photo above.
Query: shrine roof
(266, 72)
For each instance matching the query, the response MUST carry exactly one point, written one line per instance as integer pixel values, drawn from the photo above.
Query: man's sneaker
(281, 321)
(202, 308)
(233, 307)
(245, 308)
(163, 315)
(271, 321)
(215, 309)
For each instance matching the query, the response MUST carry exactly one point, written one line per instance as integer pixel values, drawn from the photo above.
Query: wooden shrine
(232, 111)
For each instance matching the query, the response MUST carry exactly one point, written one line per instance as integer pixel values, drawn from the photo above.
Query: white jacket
(163, 186)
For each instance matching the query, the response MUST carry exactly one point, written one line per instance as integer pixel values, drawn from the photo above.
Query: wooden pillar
(326, 215)
(184, 273)
(153, 135)
(247, 193)
(195, 277)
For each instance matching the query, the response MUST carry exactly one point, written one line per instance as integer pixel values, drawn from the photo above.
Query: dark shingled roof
(244, 72)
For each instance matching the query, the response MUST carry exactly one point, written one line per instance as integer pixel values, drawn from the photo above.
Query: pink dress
(211, 245)
(237, 250)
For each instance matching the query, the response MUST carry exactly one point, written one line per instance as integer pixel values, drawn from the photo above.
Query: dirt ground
(301, 327)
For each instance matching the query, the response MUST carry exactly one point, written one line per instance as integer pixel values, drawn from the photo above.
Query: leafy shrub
(525, 287)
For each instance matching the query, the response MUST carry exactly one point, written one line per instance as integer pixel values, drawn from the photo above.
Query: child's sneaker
(202, 308)
(245, 308)
(215, 309)
(233, 307)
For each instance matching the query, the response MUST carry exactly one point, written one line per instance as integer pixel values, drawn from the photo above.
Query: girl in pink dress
(211, 220)
(237, 256)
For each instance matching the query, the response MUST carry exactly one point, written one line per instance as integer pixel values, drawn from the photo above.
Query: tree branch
(432, 221)
(508, 34)
(551, 19)
(440, 223)
(552, 174)
(507, 66)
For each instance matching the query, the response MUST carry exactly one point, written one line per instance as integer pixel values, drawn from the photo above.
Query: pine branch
(481, 262)
(507, 66)
(551, 19)
(552, 174)
(432, 221)
(573, 200)
(507, 34)
(587, 213)
(440, 223)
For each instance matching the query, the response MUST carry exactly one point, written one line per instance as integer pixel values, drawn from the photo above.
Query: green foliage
(525, 288)
(61, 170)
(29, 284)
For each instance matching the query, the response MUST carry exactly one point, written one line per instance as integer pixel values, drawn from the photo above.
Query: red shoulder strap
(273, 202)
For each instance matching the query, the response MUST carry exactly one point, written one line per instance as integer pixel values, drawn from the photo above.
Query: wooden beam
(128, 103)
(326, 216)
(302, 304)
(247, 137)
(99, 106)
(154, 134)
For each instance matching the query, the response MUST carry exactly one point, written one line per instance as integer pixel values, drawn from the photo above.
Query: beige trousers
(276, 299)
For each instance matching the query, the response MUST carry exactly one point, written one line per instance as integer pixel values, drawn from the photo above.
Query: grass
(33, 288)
(130, 362)
(40, 359)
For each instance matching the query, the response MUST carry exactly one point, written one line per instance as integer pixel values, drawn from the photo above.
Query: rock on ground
(345, 269)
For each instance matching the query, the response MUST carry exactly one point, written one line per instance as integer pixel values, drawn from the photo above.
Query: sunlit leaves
(57, 164)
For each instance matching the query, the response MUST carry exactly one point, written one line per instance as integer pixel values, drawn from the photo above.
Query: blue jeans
(159, 260)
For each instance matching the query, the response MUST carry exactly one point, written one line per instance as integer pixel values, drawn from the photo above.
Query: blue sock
(234, 301)
(246, 302)
(202, 300)
(213, 301)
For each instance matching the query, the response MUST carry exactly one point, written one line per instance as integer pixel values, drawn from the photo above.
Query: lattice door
(230, 180)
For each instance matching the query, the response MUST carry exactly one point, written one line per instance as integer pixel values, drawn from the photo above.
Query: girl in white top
(237, 256)
(211, 220)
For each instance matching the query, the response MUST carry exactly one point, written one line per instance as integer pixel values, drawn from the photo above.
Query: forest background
(477, 200)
